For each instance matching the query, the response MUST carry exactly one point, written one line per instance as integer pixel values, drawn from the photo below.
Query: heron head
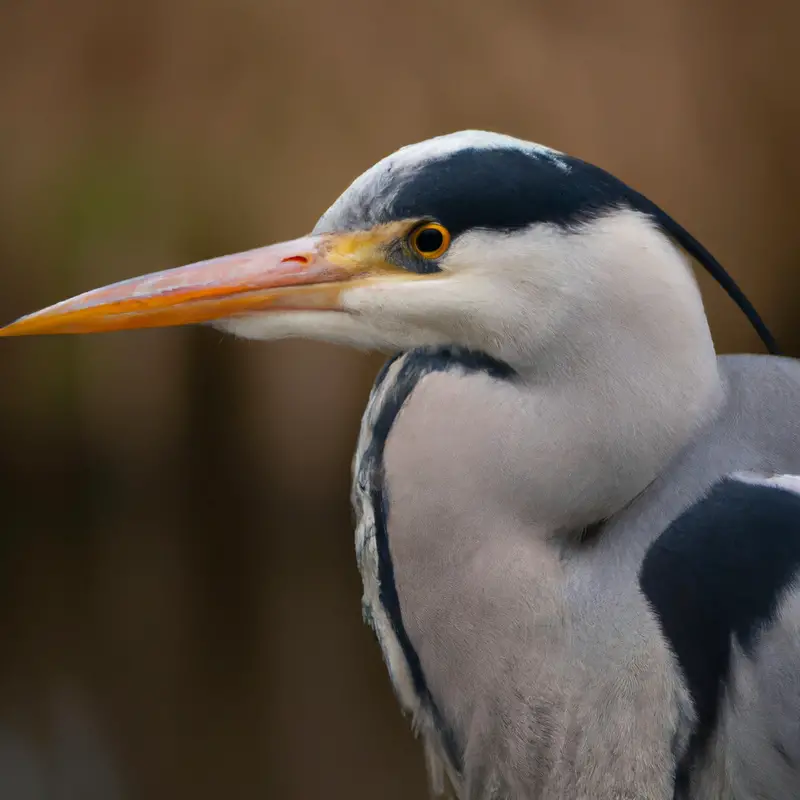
(472, 239)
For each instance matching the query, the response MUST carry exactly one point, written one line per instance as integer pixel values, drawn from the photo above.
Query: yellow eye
(430, 240)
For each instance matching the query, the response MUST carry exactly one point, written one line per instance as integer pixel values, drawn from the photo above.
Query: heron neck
(484, 473)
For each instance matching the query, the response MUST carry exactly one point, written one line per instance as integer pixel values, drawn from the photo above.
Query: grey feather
(541, 486)
(551, 667)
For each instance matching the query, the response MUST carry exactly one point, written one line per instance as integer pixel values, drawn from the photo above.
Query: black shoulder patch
(416, 364)
(715, 573)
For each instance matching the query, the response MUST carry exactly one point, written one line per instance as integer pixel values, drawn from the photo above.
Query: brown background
(179, 603)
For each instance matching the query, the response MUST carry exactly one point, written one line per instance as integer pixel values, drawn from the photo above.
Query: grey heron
(578, 528)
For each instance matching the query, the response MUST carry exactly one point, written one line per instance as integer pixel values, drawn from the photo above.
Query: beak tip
(24, 326)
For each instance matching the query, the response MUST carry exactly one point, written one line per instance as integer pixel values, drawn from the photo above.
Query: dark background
(179, 602)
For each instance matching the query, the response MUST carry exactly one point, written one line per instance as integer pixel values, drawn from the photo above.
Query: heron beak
(304, 274)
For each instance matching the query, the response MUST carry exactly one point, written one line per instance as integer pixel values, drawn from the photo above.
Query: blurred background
(179, 601)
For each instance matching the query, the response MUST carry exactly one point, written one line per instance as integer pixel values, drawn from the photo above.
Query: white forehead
(373, 190)
(414, 155)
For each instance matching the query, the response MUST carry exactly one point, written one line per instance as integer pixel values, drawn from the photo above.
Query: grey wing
(723, 581)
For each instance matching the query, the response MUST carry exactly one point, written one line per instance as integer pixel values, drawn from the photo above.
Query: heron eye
(430, 240)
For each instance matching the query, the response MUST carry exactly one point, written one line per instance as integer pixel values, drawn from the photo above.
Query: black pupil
(429, 240)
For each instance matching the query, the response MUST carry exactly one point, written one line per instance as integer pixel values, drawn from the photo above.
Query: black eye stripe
(508, 189)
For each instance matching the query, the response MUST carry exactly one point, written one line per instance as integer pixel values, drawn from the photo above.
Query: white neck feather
(616, 364)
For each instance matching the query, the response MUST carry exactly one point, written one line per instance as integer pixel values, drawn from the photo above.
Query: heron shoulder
(715, 579)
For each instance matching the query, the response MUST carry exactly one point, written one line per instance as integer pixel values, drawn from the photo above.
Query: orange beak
(303, 274)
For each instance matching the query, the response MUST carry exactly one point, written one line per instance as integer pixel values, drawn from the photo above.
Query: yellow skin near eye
(430, 226)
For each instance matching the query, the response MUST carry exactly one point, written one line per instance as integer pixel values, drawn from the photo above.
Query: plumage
(578, 528)
(718, 587)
